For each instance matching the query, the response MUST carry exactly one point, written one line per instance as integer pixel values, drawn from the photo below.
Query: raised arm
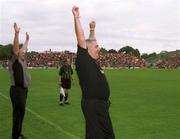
(16, 39)
(78, 28)
(92, 26)
(25, 45)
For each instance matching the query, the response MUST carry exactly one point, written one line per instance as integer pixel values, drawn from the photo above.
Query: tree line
(5, 52)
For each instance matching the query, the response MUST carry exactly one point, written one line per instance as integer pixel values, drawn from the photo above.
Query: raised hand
(16, 28)
(75, 11)
(92, 24)
(27, 36)
(25, 45)
(78, 28)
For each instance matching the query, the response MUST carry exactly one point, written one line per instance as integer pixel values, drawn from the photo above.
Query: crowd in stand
(120, 60)
(54, 59)
(48, 59)
(172, 62)
(106, 60)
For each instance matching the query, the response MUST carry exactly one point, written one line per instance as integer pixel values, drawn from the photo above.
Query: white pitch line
(47, 121)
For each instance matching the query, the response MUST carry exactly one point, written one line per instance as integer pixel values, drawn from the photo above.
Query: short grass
(145, 105)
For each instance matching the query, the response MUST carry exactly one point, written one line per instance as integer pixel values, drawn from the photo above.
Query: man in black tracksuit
(20, 80)
(93, 83)
(65, 74)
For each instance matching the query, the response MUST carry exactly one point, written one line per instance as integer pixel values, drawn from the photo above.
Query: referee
(93, 83)
(20, 80)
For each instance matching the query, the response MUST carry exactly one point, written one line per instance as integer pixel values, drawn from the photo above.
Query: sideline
(46, 121)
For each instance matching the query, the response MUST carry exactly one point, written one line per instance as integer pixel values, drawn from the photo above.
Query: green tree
(5, 51)
(130, 50)
(144, 55)
(112, 51)
(103, 50)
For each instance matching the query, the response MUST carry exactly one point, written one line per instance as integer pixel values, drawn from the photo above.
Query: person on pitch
(93, 83)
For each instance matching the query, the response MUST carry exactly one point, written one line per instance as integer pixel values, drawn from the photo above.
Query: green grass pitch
(145, 105)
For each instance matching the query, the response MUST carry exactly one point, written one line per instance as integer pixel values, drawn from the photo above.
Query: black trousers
(18, 98)
(98, 122)
(66, 83)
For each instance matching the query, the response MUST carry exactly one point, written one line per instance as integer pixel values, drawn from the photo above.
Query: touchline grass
(145, 105)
